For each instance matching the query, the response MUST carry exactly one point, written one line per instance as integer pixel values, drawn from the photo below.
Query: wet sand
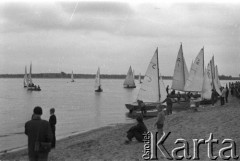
(108, 143)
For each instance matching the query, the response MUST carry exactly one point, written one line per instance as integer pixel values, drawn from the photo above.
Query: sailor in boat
(38, 87)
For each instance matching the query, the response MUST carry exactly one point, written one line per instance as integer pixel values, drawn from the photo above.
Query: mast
(183, 66)
(159, 95)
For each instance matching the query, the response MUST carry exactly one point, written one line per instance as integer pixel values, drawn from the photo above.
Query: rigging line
(73, 12)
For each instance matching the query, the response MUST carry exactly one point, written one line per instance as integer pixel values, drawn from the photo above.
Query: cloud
(93, 16)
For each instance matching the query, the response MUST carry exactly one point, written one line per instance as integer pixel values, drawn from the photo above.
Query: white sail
(163, 92)
(217, 77)
(25, 79)
(207, 88)
(97, 80)
(214, 79)
(180, 72)
(72, 77)
(129, 81)
(209, 74)
(149, 91)
(195, 79)
(30, 74)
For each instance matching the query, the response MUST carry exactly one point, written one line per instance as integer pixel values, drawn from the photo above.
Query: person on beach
(53, 122)
(169, 104)
(38, 131)
(160, 121)
(213, 96)
(223, 95)
(227, 93)
(142, 106)
(193, 104)
(136, 131)
(178, 97)
(167, 89)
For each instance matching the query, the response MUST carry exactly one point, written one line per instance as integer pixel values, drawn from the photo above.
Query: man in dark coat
(53, 122)
(136, 131)
(169, 102)
(37, 130)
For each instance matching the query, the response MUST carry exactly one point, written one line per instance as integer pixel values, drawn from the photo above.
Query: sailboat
(72, 77)
(129, 81)
(98, 87)
(152, 89)
(214, 74)
(194, 82)
(31, 86)
(207, 86)
(25, 78)
(180, 75)
(139, 78)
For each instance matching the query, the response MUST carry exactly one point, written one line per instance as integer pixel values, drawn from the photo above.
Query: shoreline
(107, 143)
(62, 138)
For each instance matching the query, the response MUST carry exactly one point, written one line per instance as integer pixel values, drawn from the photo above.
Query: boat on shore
(181, 73)
(152, 90)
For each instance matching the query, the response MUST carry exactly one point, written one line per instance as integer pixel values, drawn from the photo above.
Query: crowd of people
(41, 135)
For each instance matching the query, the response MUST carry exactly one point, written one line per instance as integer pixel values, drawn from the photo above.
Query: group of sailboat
(98, 87)
(27, 81)
(199, 80)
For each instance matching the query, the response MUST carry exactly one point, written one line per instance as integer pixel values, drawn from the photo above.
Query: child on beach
(136, 131)
(160, 121)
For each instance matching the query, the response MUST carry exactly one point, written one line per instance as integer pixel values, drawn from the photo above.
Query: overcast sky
(82, 36)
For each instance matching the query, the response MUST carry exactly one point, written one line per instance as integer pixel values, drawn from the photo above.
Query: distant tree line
(91, 76)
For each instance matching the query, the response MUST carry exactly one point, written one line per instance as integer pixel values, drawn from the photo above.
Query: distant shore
(107, 143)
(63, 75)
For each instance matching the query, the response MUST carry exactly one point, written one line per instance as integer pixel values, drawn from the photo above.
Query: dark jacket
(169, 101)
(33, 128)
(137, 131)
(53, 122)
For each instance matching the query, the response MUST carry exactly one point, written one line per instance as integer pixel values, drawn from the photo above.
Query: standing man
(169, 104)
(223, 95)
(38, 131)
(160, 121)
(53, 122)
(227, 93)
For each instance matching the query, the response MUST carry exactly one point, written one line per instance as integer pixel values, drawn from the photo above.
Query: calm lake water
(78, 107)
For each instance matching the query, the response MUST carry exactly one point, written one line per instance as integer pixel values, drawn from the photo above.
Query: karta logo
(152, 146)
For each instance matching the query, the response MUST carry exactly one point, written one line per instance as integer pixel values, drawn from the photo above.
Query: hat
(139, 119)
(37, 110)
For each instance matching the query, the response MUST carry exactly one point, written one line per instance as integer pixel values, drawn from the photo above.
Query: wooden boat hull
(127, 86)
(135, 107)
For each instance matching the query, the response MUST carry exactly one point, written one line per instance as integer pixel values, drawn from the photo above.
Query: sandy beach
(108, 143)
